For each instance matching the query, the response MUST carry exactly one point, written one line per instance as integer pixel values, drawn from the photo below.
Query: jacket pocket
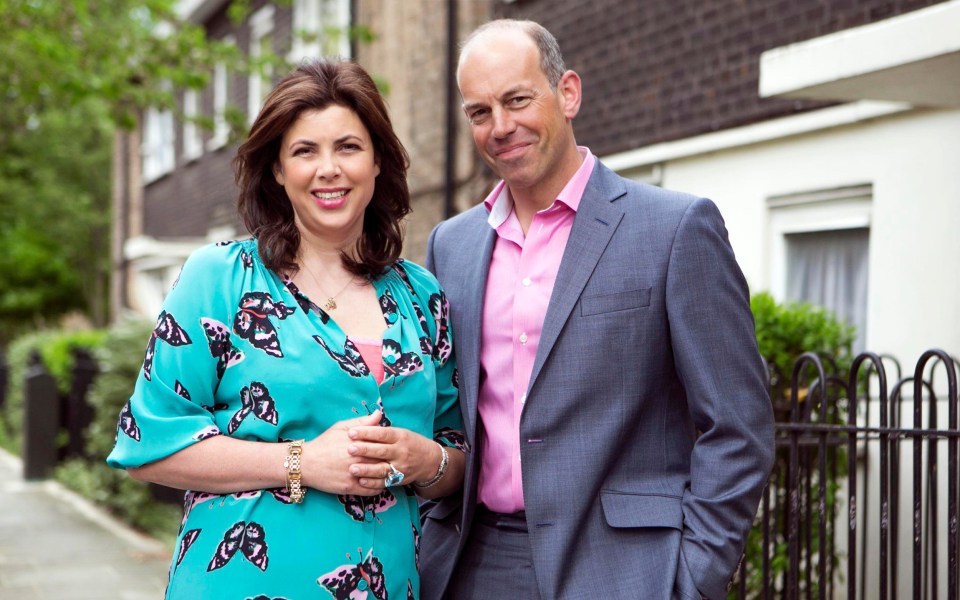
(623, 509)
(617, 301)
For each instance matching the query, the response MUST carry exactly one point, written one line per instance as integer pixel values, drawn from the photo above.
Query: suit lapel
(467, 317)
(596, 221)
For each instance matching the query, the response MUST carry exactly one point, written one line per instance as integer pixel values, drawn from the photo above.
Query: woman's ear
(278, 173)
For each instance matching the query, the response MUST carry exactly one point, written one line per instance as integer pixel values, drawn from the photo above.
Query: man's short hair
(551, 60)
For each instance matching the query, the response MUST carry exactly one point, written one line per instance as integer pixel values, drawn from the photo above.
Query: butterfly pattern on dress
(357, 582)
(350, 361)
(127, 423)
(167, 330)
(416, 547)
(440, 309)
(397, 363)
(365, 508)
(246, 259)
(252, 321)
(389, 307)
(255, 400)
(306, 304)
(221, 345)
(185, 542)
(451, 438)
(249, 539)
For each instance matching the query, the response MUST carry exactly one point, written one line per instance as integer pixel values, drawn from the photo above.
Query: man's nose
(503, 123)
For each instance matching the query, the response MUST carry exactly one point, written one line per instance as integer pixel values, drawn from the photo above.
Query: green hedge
(120, 358)
(55, 353)
(784, 332)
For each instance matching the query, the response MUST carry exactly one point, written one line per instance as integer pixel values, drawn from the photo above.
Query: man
(610, 382)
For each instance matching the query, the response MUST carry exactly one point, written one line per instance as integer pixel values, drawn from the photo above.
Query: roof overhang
(911, 58)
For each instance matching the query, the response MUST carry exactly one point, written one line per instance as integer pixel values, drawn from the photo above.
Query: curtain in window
(829, 269)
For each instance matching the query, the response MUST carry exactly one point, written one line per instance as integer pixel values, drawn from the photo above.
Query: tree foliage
(73, 71)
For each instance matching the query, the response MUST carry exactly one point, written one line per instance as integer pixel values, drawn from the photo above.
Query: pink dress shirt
(520, 281)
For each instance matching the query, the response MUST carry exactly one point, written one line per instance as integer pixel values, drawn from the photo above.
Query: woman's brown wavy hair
(263, 204)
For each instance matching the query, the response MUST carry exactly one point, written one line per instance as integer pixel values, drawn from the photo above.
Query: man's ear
(569, 91)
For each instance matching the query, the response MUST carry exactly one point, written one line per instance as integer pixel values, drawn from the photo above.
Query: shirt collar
(500, 203)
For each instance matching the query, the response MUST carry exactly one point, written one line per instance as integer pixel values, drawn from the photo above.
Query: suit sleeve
(716, 356)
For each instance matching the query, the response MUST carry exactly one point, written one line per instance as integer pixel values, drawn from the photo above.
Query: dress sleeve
(172, 402)
(447, 423)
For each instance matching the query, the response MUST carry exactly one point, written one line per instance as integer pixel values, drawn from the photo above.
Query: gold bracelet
(441, 470)
(292, 464)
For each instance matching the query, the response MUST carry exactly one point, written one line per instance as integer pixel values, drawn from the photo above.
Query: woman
(301, 383)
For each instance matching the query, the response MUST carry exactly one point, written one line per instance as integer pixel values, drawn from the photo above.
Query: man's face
(520, 124)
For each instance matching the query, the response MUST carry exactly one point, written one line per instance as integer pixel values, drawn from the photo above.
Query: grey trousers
(495, 563)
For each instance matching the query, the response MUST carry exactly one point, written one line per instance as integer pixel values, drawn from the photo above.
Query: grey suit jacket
(647, 434)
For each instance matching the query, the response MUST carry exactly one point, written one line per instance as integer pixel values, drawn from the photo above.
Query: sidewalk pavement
(56, 545)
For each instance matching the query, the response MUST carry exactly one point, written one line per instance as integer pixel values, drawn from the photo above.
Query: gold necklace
(331, 303)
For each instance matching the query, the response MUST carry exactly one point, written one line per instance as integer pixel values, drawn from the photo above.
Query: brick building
(813, 124)
(174, 188)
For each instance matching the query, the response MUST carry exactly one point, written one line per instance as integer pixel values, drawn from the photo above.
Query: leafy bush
(55, 348)
(784, 333)
(120, 358)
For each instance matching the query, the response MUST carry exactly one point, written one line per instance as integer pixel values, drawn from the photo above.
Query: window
(821, 250)
(221, 99)
(261, 44)
(321, 28)
(192, 142)
(158, 141)
(829, 269)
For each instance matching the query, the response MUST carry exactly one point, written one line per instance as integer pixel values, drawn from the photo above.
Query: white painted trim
(145, 246)
(918, 35)
(765, 131)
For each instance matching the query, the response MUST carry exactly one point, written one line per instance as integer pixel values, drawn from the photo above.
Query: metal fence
(854, 507)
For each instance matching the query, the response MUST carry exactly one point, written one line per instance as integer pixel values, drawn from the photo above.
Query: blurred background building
(828, 132)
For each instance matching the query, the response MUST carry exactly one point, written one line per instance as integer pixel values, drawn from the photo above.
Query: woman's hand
(327, 465)
(377, 448)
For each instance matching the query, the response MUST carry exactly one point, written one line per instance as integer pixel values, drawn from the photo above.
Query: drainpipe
(450, 171)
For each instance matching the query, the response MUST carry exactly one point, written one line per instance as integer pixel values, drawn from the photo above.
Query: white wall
(912, 160)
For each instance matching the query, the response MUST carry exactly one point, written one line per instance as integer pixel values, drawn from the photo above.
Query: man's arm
(716, 356)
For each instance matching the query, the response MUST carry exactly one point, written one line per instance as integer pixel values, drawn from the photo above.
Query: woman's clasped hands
(355, 456)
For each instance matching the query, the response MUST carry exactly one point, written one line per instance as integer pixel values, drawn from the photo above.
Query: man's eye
(518, 101)
(478, 116)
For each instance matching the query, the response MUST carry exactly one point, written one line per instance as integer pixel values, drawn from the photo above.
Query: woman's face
(328, 168)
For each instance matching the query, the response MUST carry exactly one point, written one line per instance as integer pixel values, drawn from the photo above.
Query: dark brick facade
(201, 194)
(660, 70)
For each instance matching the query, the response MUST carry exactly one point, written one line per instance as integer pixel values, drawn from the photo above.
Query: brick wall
(659, 70)
(201, 194)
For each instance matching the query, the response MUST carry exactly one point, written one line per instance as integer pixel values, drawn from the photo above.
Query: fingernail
(352, 449)
(354, 470)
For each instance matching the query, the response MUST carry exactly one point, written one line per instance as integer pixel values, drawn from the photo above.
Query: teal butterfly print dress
(239, 351)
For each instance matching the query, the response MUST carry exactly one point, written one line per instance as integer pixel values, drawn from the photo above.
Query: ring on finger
(394, 477)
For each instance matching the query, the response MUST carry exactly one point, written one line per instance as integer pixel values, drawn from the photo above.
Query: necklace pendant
(330, 304)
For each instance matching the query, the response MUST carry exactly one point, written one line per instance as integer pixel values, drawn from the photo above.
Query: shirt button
(523, 338)
(523, 399)
(526, 282)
